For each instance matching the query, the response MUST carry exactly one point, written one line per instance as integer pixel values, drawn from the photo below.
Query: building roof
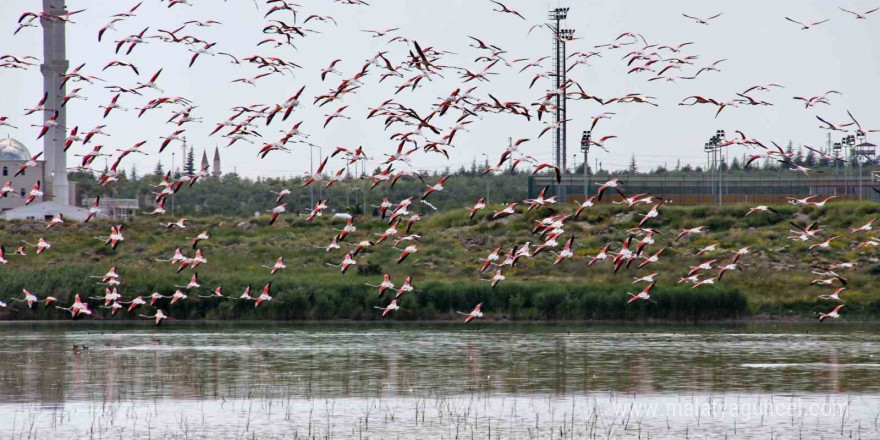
(11, 149)
(107, 202)
(40, 210)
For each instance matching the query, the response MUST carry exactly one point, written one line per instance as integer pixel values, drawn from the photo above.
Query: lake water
(405, 381)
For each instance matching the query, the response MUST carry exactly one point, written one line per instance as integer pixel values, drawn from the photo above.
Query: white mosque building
(14, 154)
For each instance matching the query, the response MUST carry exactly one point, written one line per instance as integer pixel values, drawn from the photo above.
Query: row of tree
(233, 195)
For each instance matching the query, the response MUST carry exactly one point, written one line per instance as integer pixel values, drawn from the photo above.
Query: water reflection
(138, 363)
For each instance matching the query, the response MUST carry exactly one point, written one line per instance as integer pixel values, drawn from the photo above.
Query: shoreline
(755, 320)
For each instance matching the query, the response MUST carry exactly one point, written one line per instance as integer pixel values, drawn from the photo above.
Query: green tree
(810, 159)
(159, 171)
(633, 167)
(735, 165)
(190, 166)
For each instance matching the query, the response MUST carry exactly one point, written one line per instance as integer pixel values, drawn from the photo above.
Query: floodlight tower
(560, 37)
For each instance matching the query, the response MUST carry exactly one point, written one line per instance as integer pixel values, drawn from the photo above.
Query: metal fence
(700, 188)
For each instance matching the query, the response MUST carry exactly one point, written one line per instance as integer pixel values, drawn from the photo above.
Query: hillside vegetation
(775, 277)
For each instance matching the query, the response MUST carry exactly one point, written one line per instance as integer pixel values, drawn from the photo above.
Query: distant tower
(216, 170)
(54, 66)
(204, 159)
(560, 56)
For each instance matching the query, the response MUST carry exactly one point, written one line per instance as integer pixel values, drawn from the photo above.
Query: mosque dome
(11, 149)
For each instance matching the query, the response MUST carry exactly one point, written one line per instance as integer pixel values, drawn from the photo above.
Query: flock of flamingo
(410, 66)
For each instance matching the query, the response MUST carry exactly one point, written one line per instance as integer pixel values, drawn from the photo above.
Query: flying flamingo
(30, 163)
(859, 16)
(93, 210)
(643, 295)
(506, 10)
(699, 20)
(193, 283)
(475, 313)
(436, 187)
(347, 262)
(159, 316)
(385, 285)
(761, 208)
(652, 259)
(264, 296)
(727, 268)
(178, 224)
(29, 298)
(281, 195)
(279, 265)
(133, 304)
(835, 296)
(566, 251)
(825, 244)
(155, 296)
(42, 245)
(490, 259)
(203, 236)
(703, 282)
(806, 26)
(276, 211)
(58, 219)
(831, 314)
(389, 308)
(405, 288)
(478, 206)
(691, 231)
(706, 265)
(867, 227)
(602, 255)
(589, 203)
(508, 210)
(6, 189)
(613, 183)
(497, 278)
(411, 249)
(646, 279)
(707, 249)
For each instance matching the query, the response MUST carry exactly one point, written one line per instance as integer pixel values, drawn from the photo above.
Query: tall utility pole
(719, 141)
(585, 147)
(848, 141)
(560, 37)
(713, 149)
(837, 147)
(54, 67)
(863, 150)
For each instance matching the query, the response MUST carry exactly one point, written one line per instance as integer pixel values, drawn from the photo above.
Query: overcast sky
(760, 47)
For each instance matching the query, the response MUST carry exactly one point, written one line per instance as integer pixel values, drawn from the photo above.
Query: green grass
(775, 278)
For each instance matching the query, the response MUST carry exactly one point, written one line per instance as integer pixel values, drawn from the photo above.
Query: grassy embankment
(775, 279)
